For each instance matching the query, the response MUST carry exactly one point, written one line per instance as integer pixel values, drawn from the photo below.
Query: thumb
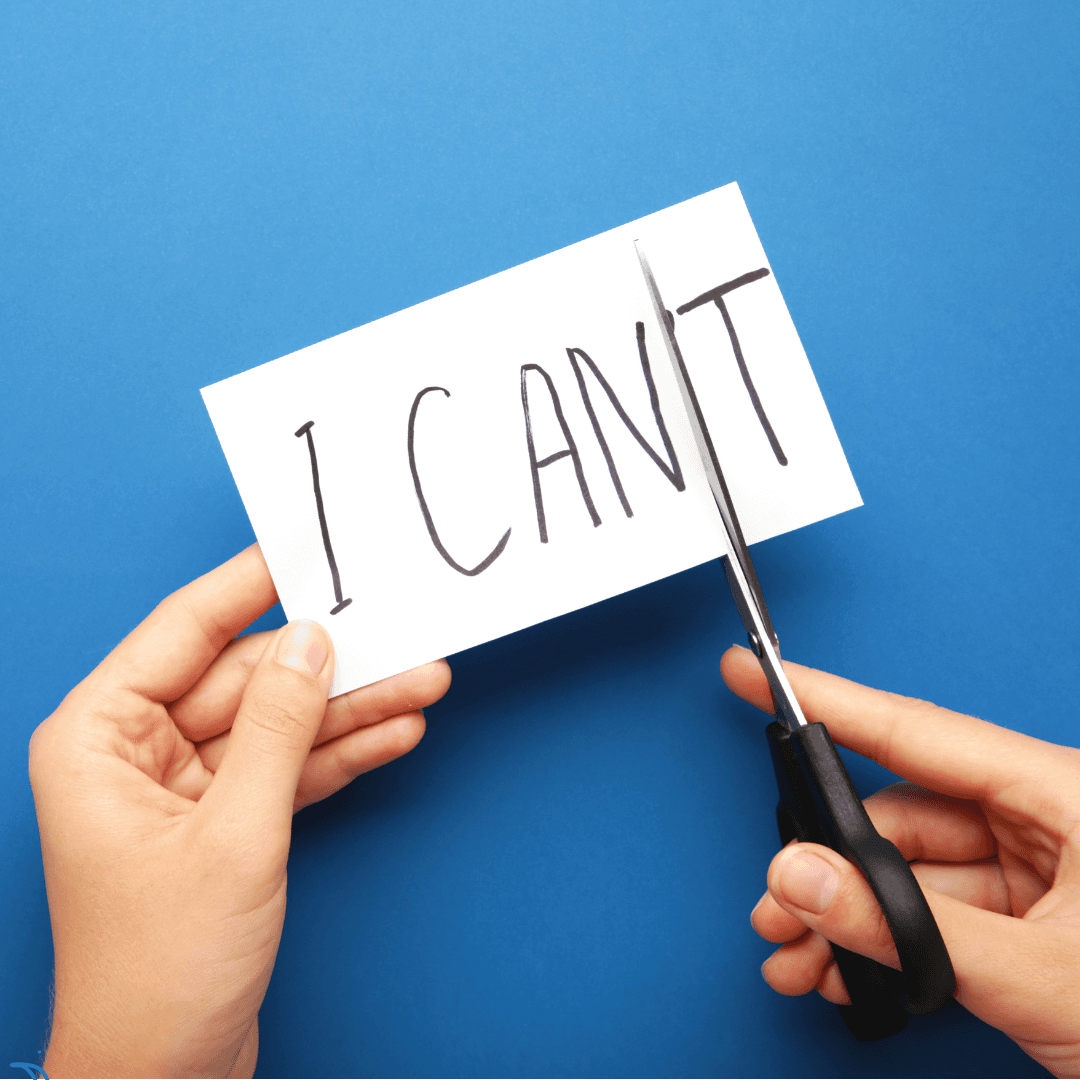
(279, 715)
(1011, 972)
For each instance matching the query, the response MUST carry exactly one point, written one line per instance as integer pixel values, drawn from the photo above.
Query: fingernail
(757, 905)
(303, 646)
(808, 881)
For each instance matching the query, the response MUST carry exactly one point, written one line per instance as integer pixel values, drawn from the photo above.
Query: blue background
(557, 881)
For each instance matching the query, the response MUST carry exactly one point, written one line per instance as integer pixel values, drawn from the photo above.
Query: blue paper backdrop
(557, 881)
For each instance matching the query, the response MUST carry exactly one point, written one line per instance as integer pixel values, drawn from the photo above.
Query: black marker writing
(716, 296)
(432, 532)
(672, 472)
(341, 604)
(570, 451)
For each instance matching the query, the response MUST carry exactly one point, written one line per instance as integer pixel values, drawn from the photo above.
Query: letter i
(341, 604)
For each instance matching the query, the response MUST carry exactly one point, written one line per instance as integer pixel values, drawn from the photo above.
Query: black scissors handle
(819, 804)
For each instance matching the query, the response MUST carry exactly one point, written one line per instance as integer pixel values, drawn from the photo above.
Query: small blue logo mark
(35, 1072)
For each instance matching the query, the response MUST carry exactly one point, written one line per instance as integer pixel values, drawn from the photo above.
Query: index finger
(940, 749)
(167, 652)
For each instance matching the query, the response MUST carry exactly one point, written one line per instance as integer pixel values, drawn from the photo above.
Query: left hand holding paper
(165, 785)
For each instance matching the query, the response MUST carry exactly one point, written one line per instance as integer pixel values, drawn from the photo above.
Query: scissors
(818, 801)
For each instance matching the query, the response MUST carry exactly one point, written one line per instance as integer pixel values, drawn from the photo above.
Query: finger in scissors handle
(819, 804)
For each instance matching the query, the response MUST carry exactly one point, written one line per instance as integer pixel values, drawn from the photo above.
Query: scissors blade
(737, 562)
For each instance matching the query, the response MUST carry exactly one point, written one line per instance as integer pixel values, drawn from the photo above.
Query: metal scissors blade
(737, 562)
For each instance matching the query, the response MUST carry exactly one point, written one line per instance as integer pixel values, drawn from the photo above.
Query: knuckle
(357, 707)
(53, 740)
(881, 936)
(915, 705)
(40, 752)
(279, 714)
(908, 710)
(857, 920)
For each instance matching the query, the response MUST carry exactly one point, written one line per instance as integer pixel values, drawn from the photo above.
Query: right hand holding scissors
(991, 821)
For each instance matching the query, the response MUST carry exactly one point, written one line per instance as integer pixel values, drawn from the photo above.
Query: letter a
(570, 451)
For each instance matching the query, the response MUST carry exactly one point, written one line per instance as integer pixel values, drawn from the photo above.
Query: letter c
(432, 532)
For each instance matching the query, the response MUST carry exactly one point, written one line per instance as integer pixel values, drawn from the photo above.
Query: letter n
(672, 471)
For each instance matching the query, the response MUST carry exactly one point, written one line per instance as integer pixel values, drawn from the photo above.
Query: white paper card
(389, 475)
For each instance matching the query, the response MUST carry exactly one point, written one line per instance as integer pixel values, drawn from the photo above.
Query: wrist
(77, 1049)
(147, 1042)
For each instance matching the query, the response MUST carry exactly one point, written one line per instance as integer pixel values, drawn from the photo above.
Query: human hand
(991, 825)
(165, 785)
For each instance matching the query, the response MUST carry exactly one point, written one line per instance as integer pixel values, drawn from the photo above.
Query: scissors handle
(819, 804)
